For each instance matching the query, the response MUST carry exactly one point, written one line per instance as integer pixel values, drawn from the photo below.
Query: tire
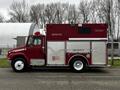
(19, 65)
(78, 65)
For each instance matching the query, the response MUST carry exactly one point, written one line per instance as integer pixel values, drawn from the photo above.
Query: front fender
(12, 56)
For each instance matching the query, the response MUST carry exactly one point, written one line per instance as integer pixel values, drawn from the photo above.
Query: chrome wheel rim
(19, 65)
(78, 65)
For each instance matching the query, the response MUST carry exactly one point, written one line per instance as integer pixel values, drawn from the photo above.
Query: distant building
(116, 46)
(20, 41)
(8, 31)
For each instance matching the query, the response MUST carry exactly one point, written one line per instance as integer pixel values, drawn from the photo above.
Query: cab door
(35, 50)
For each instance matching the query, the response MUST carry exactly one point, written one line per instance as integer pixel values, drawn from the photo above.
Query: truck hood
(17, 49)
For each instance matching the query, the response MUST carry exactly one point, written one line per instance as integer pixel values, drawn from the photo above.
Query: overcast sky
(4, 4)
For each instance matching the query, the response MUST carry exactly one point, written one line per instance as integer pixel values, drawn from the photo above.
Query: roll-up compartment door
(98, 52)
(56, 52)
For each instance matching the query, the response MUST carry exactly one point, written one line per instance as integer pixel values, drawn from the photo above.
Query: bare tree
(118, 19)
(89, 11)
(56, 12)
(107, 8)
(60, 13)
(37, 13)
(50, 12)
(72, 14)
(1, 18)
(84, 10)
(94, 10)
(19, 11)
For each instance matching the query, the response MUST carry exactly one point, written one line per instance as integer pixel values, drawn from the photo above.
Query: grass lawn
(4, 63)
(116, 63)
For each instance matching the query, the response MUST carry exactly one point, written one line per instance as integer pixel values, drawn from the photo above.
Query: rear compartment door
(98, 52)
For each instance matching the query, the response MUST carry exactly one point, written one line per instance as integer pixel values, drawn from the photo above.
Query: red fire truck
(68, 45)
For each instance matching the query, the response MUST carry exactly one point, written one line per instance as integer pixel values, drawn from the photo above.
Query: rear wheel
(78, 65)
(19, 65)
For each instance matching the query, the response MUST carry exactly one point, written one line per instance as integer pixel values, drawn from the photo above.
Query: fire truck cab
(76, 46)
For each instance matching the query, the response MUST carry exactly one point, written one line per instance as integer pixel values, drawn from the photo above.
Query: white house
(8, 31)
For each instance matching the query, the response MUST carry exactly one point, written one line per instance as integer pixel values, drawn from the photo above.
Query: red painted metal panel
(62, 32)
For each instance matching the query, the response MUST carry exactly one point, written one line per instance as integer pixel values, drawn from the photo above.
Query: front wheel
(78, 65)
(18, 65)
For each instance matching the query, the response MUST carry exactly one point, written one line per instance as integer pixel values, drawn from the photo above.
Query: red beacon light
(37, 33)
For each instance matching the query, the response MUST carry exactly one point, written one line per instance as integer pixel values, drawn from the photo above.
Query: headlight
(9, 52)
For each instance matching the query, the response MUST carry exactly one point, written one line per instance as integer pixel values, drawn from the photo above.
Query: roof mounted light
(79, 25)
(37, 33)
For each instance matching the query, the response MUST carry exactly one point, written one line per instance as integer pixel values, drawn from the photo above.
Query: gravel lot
(60, 79)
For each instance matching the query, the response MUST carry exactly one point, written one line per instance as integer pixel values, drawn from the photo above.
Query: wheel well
(20, 56)
(84, 59)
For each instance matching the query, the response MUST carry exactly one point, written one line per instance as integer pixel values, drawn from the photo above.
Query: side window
(115, 45)
(109, 45)
(84, 30)
(37, 41)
